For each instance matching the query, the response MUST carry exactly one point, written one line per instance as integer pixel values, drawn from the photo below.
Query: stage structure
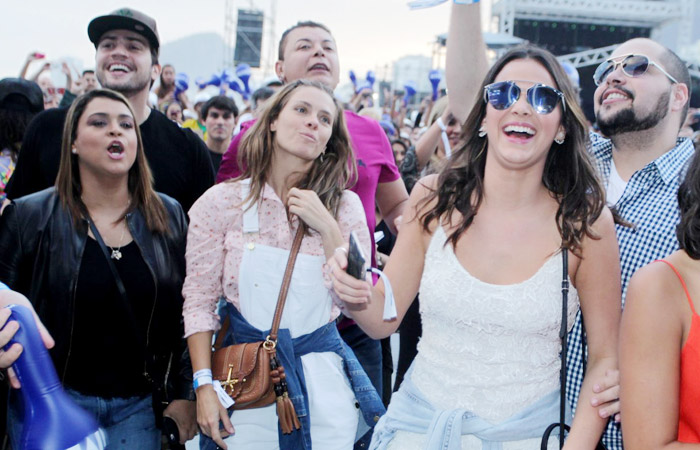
(585, 32)
(249, 28)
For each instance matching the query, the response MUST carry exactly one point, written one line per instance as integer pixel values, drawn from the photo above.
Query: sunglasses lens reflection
(635, 65)
(543, 99)
(502, 95)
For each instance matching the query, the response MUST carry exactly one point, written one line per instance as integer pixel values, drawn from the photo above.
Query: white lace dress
(490, 349)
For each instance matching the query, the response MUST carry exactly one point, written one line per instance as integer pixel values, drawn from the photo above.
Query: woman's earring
(74, 150)
(482, 132)
(560, 138)
(322, 153)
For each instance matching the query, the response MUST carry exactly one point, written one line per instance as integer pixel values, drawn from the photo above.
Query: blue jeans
(129, 423)
(369, 354)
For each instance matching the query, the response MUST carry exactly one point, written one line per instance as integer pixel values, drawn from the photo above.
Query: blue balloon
(51, 419)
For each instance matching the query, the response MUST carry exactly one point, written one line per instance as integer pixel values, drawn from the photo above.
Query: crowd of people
(135, 222)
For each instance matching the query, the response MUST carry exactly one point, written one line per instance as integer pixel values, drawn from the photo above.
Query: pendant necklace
(116, 252)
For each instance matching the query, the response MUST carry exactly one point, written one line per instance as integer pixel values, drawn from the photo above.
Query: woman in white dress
(482, 240)
(299, 162)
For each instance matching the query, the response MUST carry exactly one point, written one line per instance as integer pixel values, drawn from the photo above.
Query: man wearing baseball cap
(126, 61)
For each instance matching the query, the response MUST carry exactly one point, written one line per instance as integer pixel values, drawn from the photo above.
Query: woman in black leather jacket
(101, 258)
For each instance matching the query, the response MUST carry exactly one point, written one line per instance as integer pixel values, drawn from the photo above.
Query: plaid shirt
(650, 204)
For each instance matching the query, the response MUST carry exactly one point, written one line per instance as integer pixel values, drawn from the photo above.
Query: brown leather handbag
(251, 372)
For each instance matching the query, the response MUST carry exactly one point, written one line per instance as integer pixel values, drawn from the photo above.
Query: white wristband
(440, 124)
(201, 381)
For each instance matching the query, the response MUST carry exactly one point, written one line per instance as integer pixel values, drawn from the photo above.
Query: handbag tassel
(285, 408)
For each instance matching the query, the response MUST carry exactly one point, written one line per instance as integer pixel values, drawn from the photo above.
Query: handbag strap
(281, 299)
(563, 335)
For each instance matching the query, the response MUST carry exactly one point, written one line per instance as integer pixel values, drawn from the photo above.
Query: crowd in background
(161, 202)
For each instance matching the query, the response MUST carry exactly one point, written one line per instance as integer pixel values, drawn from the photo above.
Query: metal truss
(588, 57)
(609, 12)
(598, 55)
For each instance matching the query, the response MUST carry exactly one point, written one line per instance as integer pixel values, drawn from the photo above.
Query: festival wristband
(443, 136)
(201, 381)
(201, 377)
(389, 302)
(224, 398)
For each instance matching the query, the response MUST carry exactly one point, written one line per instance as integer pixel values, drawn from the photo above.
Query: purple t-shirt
(375, 162)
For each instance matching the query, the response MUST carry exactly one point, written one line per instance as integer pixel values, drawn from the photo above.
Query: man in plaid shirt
(641, 103)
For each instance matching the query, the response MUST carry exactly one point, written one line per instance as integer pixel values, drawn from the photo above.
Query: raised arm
(466, 63)
(598, 283)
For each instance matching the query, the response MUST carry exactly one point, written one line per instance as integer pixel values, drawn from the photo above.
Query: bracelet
(440, 124)
(343, 249)
(201, 377)
(201, 381)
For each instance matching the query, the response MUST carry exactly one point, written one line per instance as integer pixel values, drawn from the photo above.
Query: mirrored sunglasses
(542, 98)
(632, 66)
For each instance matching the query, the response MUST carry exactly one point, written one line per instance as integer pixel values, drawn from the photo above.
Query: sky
(370, 34)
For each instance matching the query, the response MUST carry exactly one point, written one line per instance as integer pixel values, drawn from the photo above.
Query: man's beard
(627, 120)
(127, 88)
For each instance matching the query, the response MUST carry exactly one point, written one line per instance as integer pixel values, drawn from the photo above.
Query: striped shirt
(650, 204)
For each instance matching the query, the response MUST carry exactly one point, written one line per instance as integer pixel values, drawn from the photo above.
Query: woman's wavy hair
(688, 230)
(140, 180)
(328, 176)
(568, 173)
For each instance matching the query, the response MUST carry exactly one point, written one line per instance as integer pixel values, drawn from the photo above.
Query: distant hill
(198, 55)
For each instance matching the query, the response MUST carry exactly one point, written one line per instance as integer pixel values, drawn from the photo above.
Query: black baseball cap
(18, 94)
(125, 19)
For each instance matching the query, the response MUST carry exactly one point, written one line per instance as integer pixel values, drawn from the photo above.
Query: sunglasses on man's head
(542, 98)
(632, 66)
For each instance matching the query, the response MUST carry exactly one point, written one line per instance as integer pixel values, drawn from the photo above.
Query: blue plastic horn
(52, 421)
(371, 78)
(434, 77)
(181, 84)
(353, 78)
(243, 73)
(410, 88)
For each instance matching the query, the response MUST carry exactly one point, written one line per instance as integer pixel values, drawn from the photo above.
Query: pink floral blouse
(215, 243)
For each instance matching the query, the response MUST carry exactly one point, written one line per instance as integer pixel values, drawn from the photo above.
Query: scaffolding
(230, 16)
(657, 15)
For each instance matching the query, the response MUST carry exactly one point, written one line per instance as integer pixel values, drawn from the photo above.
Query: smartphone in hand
(356, 259)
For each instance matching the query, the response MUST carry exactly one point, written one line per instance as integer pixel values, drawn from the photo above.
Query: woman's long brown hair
(568, 172)
(328, 176)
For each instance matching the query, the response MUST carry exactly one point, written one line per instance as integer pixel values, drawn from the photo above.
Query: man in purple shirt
(308, 51)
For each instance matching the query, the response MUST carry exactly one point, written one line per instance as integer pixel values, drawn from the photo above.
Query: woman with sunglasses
(483, 241)
(659, 337)
(101, 257)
